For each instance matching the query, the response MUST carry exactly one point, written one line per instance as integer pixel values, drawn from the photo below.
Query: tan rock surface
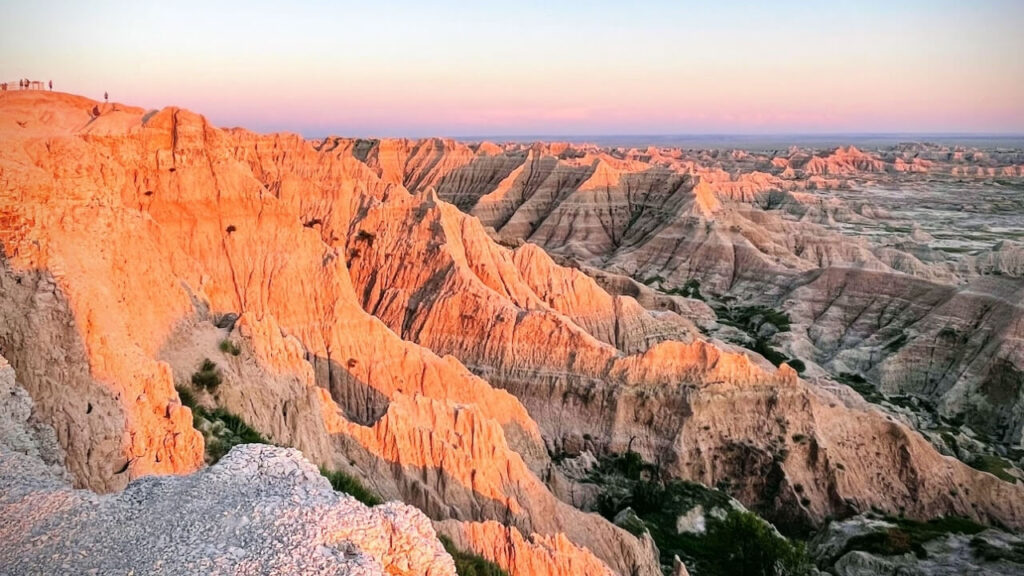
(391, 315)
(151, 233)
(525, 556)
(712, 415)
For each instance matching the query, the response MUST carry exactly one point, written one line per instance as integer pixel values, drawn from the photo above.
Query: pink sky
(532, 68)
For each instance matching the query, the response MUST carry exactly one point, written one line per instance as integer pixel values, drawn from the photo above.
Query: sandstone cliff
(772, 228)
(384, 333)
(125, 247)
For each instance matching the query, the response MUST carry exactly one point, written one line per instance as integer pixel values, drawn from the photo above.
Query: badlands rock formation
(836, 239)
(384, 333)
(130, 237)
(261, 510)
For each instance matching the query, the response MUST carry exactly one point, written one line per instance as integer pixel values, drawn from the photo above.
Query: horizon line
(919, 137)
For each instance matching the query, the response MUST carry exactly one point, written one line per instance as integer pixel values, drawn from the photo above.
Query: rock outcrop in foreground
(260, 510)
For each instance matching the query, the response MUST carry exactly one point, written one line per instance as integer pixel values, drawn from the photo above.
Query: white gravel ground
(260, 510)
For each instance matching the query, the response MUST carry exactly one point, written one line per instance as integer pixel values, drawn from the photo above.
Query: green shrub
(746, 544)
(342, 482)
(631, 464)
(208, 377)
(627, 481)
(221, 429)
(983, 549)
(751, 318)
(861, 386)
(797, 364)
(910, 536)
(691, 289)
(187, 398)
(229, 347)
(770, 354)
(467, 564)
(994, 465)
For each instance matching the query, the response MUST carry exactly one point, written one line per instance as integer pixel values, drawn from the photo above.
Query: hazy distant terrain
(764, 142)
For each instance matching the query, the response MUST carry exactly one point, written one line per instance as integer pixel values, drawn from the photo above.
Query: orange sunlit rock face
(146, 232)
(554, 555)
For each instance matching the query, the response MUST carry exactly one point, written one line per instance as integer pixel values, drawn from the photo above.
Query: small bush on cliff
(467, 564)
(689, 290)
(739, 543)
(757, 321)
(221, 429)
(229, 347)
(342, 482)
(992, 553)
(910, 536)
(751, 318)
(742, 543)
(994, 465)
(630, 465)
(208, 377)
(692, 289)
(187, 398)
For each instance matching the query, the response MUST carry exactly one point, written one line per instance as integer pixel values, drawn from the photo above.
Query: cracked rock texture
(838, 238)
(128, 239)
(260, 510)
(387, 334)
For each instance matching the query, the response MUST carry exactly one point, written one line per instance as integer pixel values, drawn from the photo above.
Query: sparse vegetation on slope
(228, 347)
(221, 429)
(909, 536)
(760, 323)
(342, 482)
(732, 541)
(984, 549)
(994, 465)
(467, 564)
(208, 377)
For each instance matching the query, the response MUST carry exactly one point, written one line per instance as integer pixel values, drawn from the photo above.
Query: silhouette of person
(106, 97)
(51, 85)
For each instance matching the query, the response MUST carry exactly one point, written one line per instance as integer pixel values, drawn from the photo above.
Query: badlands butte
(518, 343)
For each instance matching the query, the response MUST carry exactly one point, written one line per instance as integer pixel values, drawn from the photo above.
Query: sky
(448, 68)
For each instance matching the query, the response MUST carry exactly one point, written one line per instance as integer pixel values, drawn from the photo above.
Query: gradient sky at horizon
(530, 67)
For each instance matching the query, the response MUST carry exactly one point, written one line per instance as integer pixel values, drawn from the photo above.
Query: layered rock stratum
(916, 244)
(125, 246)
(384, 332)
(260, 510)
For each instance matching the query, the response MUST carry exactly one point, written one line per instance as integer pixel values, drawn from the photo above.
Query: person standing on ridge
(106, 97)
(51, 85)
